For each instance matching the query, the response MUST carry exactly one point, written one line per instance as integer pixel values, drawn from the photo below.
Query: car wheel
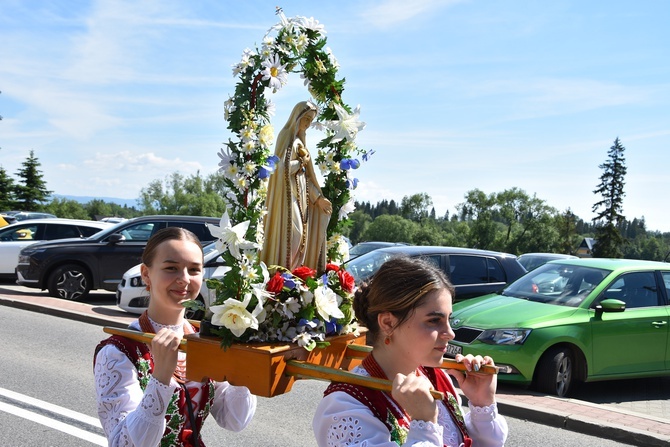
(198, 315)
(70, 282)
(556, 372)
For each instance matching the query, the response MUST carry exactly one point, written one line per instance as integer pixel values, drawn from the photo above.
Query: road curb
(84, 317)
(582, 424)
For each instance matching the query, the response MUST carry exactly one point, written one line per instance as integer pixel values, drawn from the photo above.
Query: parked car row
(550, 322)
(70, 268)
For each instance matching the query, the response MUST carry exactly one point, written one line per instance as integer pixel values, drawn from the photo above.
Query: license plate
(452, 350)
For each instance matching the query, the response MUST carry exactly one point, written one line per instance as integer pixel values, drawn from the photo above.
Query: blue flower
(352, 184)
(331, 326)
(288, 280)
(264, 173)
(269, 167)
(367, 155)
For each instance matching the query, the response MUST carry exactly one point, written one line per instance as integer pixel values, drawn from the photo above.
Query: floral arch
(252, 303)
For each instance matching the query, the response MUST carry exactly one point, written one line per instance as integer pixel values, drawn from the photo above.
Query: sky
(456, 95)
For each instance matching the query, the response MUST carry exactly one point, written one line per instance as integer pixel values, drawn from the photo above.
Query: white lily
(233, 315)
(326, 303)
(231, 237)
(226, 158)
(346, 209)
(348, 125)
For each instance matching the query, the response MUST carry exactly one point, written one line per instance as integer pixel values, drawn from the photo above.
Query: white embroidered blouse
(132, 418)
(341, 420)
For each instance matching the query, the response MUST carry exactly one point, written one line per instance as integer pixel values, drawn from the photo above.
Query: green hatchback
(572, 321)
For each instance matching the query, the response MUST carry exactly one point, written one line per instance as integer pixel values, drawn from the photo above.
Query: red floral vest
(178, 430)
(387, 410)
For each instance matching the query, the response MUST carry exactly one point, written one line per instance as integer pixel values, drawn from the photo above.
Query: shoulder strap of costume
(442, 383)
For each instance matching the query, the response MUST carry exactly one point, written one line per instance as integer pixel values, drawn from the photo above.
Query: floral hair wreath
(302, 308)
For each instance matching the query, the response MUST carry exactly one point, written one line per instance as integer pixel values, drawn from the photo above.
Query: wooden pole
(361, 351)
(143, 337)
(306, 370)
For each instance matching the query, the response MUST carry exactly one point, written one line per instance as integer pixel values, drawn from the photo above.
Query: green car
(572, 321)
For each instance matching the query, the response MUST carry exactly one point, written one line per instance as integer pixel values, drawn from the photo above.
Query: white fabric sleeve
(341, 420)
(486, 426)
(129, 416)
(233, 406)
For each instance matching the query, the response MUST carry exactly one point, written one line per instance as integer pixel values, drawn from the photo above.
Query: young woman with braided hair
(406, 308)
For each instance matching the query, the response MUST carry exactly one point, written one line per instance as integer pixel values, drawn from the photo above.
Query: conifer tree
(6, 191)
(609, 209)
(31, 191)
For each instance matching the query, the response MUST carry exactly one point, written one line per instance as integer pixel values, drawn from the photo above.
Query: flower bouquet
(257, 304)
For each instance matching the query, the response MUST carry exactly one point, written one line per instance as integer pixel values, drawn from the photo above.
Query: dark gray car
(473, 272)
(70, 268)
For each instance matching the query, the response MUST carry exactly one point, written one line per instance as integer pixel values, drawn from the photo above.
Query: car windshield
(561, 284)
(364, 266)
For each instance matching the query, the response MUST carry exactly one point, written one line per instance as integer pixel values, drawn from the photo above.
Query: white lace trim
(425, 426)
(488, 412)
(178, 328)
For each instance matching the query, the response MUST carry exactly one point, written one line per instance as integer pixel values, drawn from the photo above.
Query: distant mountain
(86, 199)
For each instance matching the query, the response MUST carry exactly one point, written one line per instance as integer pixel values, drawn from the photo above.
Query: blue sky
(456, 95)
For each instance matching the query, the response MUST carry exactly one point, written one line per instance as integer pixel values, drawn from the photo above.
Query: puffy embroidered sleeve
(233, 406)
(486, 426)
(129, 416)
(341, 420)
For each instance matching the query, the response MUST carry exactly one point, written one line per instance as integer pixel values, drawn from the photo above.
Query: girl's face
(422, 339)
(175, 274)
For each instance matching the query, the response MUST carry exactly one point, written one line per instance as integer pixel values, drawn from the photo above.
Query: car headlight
(136, 281)
(31, 251)
(504, 336)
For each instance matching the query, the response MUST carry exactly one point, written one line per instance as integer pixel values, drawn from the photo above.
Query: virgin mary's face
(306, 121)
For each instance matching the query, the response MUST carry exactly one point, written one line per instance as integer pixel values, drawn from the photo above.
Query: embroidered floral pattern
(398, 432)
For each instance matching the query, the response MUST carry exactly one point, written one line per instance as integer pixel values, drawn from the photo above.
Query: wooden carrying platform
(271, 369)
(262, 367)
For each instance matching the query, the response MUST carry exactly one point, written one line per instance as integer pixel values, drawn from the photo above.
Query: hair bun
(361, 304)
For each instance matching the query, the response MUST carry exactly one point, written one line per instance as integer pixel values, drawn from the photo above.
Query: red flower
(347, 281)
(304, 272)
(276, 284)
(332, 267)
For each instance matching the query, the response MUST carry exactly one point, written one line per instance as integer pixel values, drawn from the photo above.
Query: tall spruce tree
(31, 190)
(609, 210)
(6, 191)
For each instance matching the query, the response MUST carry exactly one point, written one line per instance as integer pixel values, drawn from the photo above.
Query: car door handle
(659, 323)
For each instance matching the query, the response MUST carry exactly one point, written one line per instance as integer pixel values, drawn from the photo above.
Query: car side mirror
(116, 238)
(610, 305)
